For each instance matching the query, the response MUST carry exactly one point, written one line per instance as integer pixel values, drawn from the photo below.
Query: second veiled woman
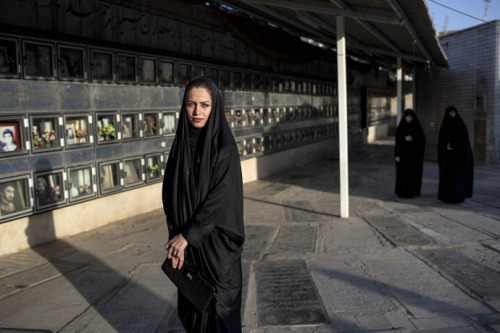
(409, 155)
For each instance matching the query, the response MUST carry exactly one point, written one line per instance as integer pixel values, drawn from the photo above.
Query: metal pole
(399, 91)
(343, 139)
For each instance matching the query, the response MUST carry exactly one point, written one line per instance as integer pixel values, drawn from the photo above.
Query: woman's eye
(206, 105)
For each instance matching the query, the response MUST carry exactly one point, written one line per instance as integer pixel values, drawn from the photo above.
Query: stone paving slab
(286, 294)
(482, 280)
(291, 239)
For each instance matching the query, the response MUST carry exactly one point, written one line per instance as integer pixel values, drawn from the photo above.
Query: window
(132, 171)
(71, 63)
(166, 72)
(45, 133)
(198, 71)
(153, 168)
(125, 68)
(150, 124)
(77, 131)
(38, 60)
(109, 177)
(8, 58)
(169, 123)
(237, 80)
(12, 136)
(213, 74)
(225, 79)
(49, 189)
(130, 126)
(81, 183)
(15, 197)
(184, 74)
(147, 68)
(101, 66)
(106, 128)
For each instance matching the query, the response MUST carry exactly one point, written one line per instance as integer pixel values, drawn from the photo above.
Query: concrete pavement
(404, 265)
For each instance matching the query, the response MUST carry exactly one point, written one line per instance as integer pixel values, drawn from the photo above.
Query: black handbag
(191, 283)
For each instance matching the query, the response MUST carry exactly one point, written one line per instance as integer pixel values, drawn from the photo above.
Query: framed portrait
(49, 189)
(126, 68)
(132, 171)
(109, 177)
(77, 131)
(169, 123)
(9, 66)
(107, 130)
(15, 196)
(130, 126)
(199, 71)
(81, 183)
(240, 144)
(45, 133)
(101, 66)
(153, 168)
(150, 124)
(147, 70)
(258, 145)
(38, 60)
(184, 73)
(71, 63)
(10, 136)
(166, 72)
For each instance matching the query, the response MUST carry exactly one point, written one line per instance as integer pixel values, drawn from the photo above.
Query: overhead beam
(328, 10)
(399, 11)
(368, 26)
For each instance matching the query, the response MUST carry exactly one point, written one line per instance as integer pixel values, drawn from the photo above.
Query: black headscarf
(181, 200)
(456, 167)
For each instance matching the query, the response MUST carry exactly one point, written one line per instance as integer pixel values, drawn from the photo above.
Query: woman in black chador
(203, 201)
(409, 156)
(456, 165)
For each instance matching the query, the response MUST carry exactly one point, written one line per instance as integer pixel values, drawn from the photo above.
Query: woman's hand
(175, 248)
(449, 147)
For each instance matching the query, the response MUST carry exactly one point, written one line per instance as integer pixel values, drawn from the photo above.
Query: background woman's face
(198, 106)
(408, 118)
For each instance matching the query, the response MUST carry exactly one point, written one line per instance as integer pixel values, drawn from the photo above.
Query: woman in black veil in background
(409, 155)
(456, 164)
(203, 201)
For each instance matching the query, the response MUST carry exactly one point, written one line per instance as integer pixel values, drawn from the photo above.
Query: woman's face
(452, 113)
(198, 106)
(408, 118)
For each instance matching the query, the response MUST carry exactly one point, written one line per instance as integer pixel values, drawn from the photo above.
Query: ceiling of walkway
(378, 30)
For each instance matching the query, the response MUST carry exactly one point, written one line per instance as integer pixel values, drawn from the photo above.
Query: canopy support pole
(399, 101)
(343, 135)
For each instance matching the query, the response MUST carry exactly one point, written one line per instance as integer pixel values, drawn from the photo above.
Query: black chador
(456, 164)
(409, 153)
(203, 200)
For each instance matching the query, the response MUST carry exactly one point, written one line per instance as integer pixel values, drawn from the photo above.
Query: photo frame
(166, 72)
(101, 66)
(10, 137)
(15, 197)
(77, 131)
(9, 58)
(38, 60)
(81, 183)
(49, 189)
(71, 63)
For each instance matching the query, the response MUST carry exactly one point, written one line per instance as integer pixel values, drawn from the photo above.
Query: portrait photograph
(70, 134)
(102, 66)
(9, 137)
(166, 72)
(49, 189)
(14, 196)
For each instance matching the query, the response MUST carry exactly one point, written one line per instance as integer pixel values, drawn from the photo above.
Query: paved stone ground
(395, 265)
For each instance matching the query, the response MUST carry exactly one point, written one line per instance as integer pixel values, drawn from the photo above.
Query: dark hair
(199, 82)
(451, 108)
(8, 131)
